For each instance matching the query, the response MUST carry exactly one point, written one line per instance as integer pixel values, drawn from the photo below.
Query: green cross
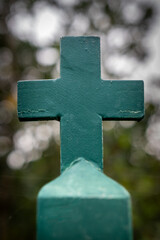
(80, 99)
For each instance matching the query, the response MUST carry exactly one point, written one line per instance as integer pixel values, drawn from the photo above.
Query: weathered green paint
(81, 100)
(84, 204)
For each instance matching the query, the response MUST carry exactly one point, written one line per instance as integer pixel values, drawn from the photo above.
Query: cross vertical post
(82, 203)
(80, 125)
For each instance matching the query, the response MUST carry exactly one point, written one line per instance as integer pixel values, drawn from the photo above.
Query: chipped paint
(130, 111)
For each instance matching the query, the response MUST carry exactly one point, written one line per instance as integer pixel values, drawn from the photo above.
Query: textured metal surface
(80, 100)
(82, 203)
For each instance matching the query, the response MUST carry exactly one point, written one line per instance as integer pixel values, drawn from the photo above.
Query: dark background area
(30, 34)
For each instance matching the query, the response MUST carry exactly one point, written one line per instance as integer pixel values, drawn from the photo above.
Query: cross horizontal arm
(39, 100)
(121, 100)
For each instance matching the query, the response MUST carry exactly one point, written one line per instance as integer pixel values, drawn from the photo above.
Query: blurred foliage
(125, 157)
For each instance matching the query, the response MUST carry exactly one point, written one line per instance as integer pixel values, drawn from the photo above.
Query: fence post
(82, 203)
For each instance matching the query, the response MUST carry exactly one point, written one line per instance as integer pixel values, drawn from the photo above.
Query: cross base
(83, 203)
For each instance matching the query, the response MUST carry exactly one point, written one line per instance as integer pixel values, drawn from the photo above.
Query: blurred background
(30, 34)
